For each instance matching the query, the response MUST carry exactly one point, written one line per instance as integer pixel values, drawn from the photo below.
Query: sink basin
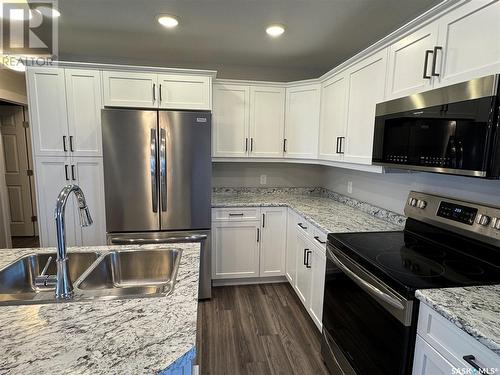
(17, 280)
(133, 272)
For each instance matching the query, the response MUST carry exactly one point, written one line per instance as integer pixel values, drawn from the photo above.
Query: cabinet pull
(434, 60)
(426, 62)
(341, 151)
(337, 148)
(471, 360)
(302, 226)
(317, 239)
(304, 259)
(258, 234)
(263, 220)
(64, 144)
(66, 171)
(284, 145)
(73, 172)
(308, 252)
(239, 214)
(160, 93)
(154, 92)
(71, 143)
(251, 144)
(246, 144)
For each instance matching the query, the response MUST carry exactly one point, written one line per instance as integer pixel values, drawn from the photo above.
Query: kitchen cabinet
(47, 107)
(181, 91)
(291, 246)
(236, 249)
(318, 269)
(428, 361)
(333, 117)
(302, 121)
(469, 42)
(366, 89)
(84, 103)
(267, 121)
(230, 120)
(273, 241)
(410, 62)
(303, 279)
(130, 89)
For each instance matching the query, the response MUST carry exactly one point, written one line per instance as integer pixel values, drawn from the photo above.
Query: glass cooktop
(409, 261)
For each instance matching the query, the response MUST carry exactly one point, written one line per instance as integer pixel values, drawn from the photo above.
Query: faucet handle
(46, 281)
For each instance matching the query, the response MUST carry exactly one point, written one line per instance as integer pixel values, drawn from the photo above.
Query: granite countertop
(330, 212)
(475, 310)
(128, 336)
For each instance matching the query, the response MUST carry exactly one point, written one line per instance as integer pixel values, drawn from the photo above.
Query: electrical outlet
(263, 179)
(349, 187)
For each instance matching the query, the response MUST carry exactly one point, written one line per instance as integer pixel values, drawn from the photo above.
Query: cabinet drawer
(451, 342)
(239, 214)
(304, 227)
(319, 238)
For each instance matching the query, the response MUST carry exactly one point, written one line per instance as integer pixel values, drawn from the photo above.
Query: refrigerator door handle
(154, 185)
(163, 169)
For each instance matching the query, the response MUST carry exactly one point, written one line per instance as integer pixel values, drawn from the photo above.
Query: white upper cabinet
(273, 241)
(84, 102)
(230, 120)
(267, 121)
(47, 104)
(366, 89)
(470, 40)
(333, 117)
(302, 121)
(410, 62)
(185, 91)
(130, 89)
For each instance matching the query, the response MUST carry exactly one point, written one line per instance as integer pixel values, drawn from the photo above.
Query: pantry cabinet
(302, 121)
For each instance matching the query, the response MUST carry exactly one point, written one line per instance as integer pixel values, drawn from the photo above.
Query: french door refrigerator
(157, 176)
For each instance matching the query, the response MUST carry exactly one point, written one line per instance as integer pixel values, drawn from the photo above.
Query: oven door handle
(367, 287)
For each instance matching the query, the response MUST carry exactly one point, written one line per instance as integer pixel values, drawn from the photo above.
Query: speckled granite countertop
(328, 211)
(475, 310)
(130, 336)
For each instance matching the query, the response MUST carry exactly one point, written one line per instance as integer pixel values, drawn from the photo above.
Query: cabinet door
(428, 361)
(185, 92)
(409, 62)
(236, 249)
(51, 175)
(230, 120)
(291, 246)
(267, 121)
(83, 95)
(366, 89)
(470, 38)
(302, 121)
(333, 117)
(130, 89)
(318, 268)
(47, 104)
(88, 174)
(273, 242)
(303, 278)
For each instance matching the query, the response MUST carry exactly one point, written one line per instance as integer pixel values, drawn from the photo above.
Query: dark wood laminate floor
(257, 329)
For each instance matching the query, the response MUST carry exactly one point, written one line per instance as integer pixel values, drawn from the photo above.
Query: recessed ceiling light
(275, 30)
(167, 21)
(48, 11)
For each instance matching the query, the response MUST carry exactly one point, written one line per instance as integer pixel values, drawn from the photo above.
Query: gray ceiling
(229, 35)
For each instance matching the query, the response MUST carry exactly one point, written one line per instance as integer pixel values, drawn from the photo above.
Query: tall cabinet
(65, 120)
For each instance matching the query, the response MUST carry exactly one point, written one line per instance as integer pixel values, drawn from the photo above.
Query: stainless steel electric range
(370, 310)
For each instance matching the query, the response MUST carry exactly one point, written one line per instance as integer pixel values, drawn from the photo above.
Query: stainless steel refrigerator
(157, 175)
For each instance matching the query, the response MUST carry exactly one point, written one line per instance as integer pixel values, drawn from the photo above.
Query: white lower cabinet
(291, 246)
(318, 268)
(303, 279)
(273, 241)
(428, 361)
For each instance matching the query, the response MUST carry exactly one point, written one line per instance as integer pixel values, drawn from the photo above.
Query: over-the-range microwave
(453, 130)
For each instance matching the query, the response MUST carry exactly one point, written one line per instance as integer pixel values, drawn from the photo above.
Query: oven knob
(483, 220)
(422, 204)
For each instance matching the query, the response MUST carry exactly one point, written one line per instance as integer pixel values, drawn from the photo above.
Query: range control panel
(466, 218)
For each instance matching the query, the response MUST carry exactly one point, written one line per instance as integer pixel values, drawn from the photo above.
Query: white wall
(390, 190)
(278, 175)
(13, 86)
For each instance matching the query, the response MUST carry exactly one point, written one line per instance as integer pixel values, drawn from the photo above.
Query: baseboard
(250, 281)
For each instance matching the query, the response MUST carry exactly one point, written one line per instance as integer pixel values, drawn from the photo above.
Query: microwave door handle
(154, 184)
(367, 287)
(163, 169)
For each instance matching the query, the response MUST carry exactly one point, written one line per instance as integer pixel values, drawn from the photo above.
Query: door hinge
(29, 172)
(34, 218)
(26, 124)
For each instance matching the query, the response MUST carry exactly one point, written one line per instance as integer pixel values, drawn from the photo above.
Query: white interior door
(83, 92)
(267, 121)
(17, 165)
(230, 120)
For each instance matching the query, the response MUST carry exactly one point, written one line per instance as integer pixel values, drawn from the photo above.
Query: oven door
(367, 327)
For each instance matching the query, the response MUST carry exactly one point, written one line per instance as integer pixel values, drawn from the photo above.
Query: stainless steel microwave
(453, 130)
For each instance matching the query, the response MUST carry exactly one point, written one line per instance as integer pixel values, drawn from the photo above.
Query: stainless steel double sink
(112, 274)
